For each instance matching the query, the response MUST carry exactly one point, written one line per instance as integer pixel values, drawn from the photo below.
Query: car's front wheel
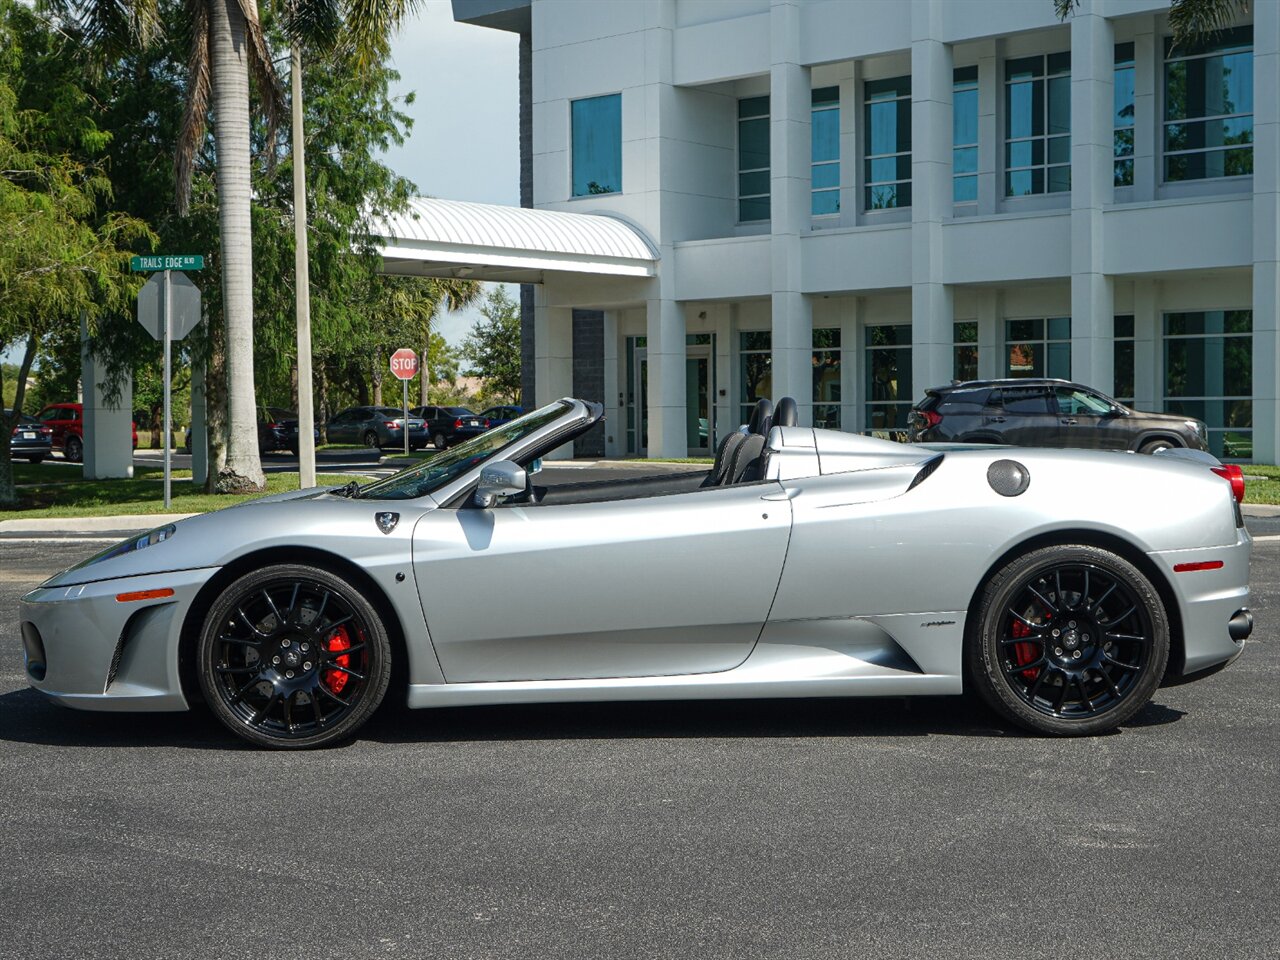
(293, 656)
(73, 450)
(439, 441)
(371, 440)
(1071, 640)
(1155, 446)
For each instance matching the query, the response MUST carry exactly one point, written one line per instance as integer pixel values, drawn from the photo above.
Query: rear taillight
(931, 418)
(457, 424)
(390, 423)
(486, 424)
(1232, 473)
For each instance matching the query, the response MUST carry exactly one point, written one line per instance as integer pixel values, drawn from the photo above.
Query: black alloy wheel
(1073, 641)
(439, 441)
(371, 439)
(73, 449)
(292, 656)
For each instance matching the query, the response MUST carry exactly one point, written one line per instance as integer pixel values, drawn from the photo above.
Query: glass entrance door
(699, 385)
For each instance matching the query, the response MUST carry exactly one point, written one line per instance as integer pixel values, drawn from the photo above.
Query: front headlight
(150, 538)
(1200, 429)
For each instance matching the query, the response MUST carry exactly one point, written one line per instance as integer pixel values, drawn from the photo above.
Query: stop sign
(404, 364)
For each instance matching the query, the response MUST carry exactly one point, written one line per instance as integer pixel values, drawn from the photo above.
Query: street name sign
(167, 261)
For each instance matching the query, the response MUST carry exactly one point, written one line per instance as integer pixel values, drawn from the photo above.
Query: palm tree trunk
(229, 60)
(215, 402)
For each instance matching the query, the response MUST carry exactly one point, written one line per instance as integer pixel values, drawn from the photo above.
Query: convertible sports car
(1063, 586)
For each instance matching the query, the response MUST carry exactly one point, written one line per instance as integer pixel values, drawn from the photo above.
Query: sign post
(168, 307)
(404, 365)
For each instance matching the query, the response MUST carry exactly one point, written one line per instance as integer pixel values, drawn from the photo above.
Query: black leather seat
(719, 474)
(746, 460)
(761, 418)
(786, 413)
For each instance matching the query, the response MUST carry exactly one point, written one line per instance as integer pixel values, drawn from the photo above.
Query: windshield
(460, 411)
(447, 465)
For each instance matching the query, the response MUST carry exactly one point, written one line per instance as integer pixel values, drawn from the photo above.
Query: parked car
(497, 416)
(449, 425)
(66, 420)
(1046, 413)
(277, 430)
(1062, 586)
(31, 439)
(376, 427)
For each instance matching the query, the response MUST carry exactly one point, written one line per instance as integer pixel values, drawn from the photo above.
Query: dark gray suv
(1046, 413)
(376, 427)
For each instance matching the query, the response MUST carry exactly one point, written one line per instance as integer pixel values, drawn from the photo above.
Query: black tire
(73, 449)
(371, 440)
(271, 660)
(439, 441)
(1064, 618)
(1155, 446)
(39, 459)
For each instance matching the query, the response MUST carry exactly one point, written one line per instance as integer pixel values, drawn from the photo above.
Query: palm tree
(1189, 20)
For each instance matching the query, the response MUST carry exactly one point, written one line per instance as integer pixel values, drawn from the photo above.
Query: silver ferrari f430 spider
(1063, 586)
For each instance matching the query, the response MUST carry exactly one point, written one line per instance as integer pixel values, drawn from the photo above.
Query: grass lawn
(62, 491)
(1261, 483)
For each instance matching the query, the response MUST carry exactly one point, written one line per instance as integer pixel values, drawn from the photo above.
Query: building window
(965, 352)
(753, 159)
(889, 391)
(1208, 374)
(755, 369)
(597, 145)
(964, 135)
(1123, 115)
(1038, 348)
(1037, 125)
(825, 173)
(826, 378)
(1208, 107)
(887, 116)
(1122, 359)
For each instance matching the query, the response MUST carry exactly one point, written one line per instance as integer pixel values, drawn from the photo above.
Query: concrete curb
(71, 526)
(1260, 509)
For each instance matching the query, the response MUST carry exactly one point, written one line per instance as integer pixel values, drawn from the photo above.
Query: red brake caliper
(335, 680)
(1024, 653)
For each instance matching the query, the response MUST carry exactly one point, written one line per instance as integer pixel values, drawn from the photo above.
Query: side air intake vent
(1008, 478)
(926, 471)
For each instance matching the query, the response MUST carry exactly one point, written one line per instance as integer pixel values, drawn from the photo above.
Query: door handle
(1069, 421)
(995, 419)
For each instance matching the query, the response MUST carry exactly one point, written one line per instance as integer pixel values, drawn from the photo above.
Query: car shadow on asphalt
(26, 717)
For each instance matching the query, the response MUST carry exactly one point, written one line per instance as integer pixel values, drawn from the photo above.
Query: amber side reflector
(151, 595)
(1198, 565)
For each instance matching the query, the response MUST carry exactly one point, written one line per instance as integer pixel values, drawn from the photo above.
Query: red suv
(66, 420)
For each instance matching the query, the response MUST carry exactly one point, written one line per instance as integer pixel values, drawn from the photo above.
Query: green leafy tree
(1190, 20)
(63, 252)
(492, 349)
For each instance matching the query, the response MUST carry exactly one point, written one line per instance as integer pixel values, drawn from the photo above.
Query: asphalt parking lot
(884, 828)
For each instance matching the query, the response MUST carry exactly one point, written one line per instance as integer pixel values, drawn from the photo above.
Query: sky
(465, 143)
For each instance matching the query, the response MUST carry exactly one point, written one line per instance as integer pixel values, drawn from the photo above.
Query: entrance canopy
(487, 241)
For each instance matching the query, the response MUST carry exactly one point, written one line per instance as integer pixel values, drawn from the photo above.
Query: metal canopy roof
(486, 241)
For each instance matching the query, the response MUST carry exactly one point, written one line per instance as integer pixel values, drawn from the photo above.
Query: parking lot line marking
(1270, 536)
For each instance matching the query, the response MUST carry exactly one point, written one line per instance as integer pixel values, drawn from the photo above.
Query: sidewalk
(95, 528)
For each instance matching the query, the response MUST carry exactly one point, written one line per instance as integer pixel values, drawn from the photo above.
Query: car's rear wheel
(73, 450)
(371, 439)
(1071, 641)
(293, 656)
(439, 441)
(1155, 446)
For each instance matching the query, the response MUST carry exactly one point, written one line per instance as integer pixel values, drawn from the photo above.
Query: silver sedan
(1064, 586)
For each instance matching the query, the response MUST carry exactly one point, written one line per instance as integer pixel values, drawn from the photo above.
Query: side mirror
(502, 478)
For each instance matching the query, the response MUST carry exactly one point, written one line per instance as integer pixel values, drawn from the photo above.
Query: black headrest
(761, 417)
(786, 413)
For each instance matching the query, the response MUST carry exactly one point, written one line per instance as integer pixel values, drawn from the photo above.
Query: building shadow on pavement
(26, 717)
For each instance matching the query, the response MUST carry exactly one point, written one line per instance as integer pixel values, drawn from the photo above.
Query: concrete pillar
(990, 135)
(1092, 165)
(790, 150)
(1148, 56)
(990, 334)
(199, 427)
(1148, 363)
(665, 329)
(108, 426)
(932, 312)
(553, 353)
(615, 416)
(1266, 231)
(528, 389)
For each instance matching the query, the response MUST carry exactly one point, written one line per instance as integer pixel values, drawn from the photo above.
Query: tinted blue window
(597, 145)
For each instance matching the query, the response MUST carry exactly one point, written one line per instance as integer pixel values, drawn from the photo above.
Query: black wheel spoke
(333, 696)
(330, 627)
(1097, 604)
(274, 609)
(348, 672)
(251, 625)
(1115, 691)
(1049, 607)
(1126, 636)
(1120, 619)
(261, 713)
(1057, 578)
(330, 655)
(1011, 671)
(239, 694)
(1119, 663)
(227, 668)
(1037, 637)
(1024, 621)
(1062, 694)
(1035, 687)
(293, 603)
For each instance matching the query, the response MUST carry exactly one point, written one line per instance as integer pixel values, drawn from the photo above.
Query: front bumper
(102, 654)
(1208, 600)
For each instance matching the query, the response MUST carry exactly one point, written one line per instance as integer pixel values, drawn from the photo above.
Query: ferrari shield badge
(386, 521)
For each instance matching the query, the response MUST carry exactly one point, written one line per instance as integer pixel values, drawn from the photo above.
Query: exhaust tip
(1240, 625)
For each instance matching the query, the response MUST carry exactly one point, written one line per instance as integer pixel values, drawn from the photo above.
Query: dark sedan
(449, 425)
(1046, 413)
(376, 427)
(277, 430)
(31, 439)
(497, 416)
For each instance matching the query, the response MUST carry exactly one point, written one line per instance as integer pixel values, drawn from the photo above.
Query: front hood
(312, 519)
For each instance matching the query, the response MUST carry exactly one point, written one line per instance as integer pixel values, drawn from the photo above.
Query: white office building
(849, 201)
